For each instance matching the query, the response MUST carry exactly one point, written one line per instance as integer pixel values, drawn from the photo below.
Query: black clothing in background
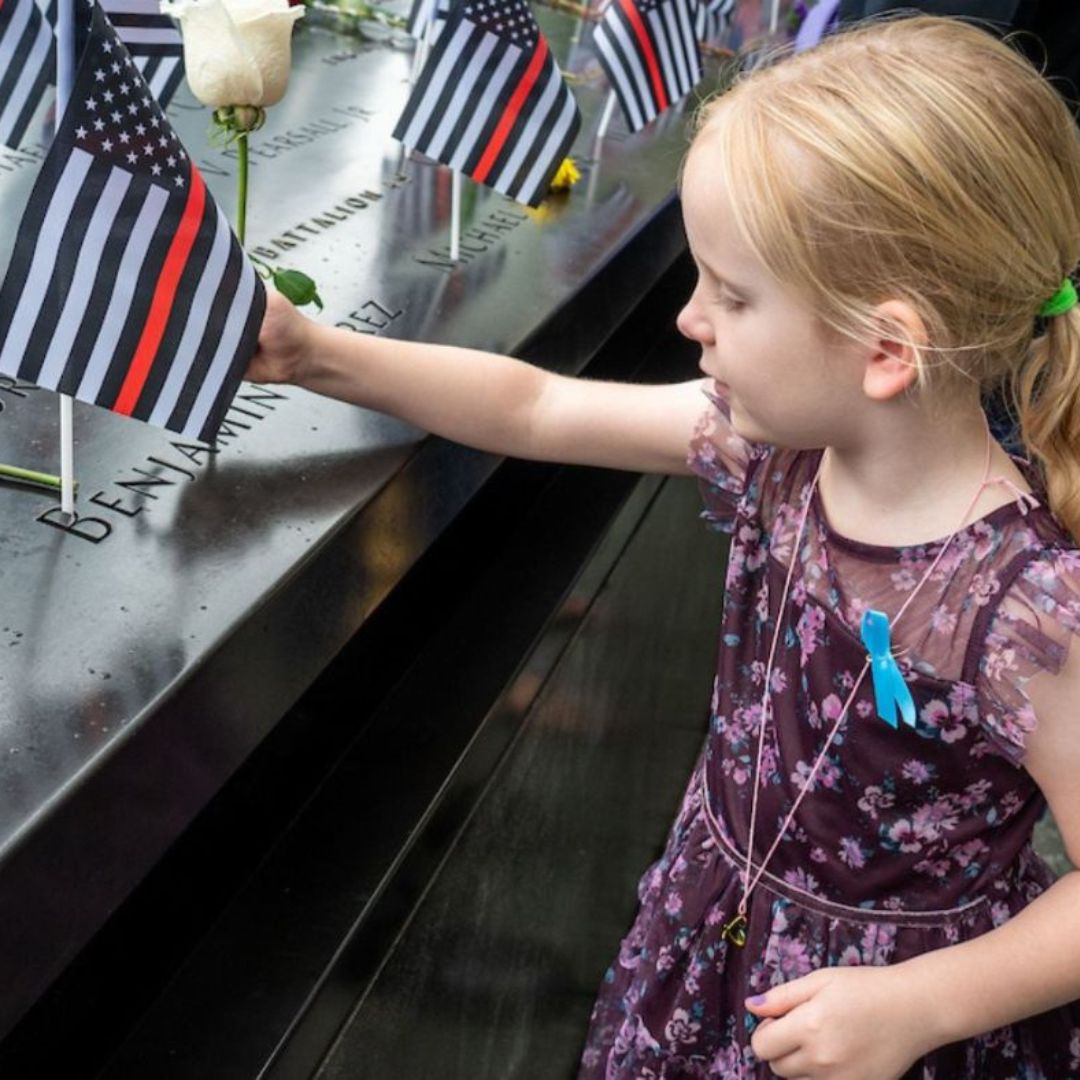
(1051, 30)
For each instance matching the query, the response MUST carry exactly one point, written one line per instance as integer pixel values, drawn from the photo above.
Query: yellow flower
(567, 176)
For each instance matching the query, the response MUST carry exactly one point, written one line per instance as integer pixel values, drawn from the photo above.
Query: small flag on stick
(27, 59)
(648, 49)
(491, 101)
(127, 289)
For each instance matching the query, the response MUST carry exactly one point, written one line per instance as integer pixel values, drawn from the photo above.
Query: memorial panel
(147, 646)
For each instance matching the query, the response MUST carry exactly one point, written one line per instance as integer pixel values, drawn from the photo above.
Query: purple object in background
(819, 20)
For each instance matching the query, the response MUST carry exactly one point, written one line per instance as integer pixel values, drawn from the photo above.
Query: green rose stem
(242, 181)
(233, 124)
(29, 476)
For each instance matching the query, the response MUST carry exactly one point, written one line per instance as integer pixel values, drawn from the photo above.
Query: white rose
(236, 52)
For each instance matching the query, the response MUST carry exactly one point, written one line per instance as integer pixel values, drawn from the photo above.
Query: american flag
(711, 18)
(491, 101)
(421, 15)
(649, 51)
(27, 60)
(126, 287)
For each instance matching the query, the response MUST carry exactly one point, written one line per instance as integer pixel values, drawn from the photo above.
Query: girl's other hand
(846, 1023)
(285, 343)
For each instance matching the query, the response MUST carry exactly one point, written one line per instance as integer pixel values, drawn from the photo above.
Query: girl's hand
(846, 1023)
(285, 343)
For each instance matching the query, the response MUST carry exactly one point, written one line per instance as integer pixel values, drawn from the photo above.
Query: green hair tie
(1061, 301)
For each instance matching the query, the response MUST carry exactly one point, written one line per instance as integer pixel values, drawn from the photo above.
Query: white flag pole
(605, 119)
(67, 457)
(774, 16)
(455, 215)
(594, 171)
(65, 78)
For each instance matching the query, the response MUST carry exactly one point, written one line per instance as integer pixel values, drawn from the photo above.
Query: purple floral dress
(910, 839)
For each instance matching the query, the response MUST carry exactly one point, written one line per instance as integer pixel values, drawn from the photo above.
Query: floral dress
(910, 839)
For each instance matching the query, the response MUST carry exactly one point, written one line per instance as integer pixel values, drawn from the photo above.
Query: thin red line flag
(648, 49)
(491, 101)
(127, 288)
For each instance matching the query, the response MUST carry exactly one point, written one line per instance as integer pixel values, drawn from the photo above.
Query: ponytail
(1046, 392)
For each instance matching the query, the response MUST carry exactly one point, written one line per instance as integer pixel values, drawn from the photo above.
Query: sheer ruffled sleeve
(720, 458)
(1029, 635)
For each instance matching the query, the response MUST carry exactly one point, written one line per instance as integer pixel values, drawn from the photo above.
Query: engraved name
(24, 157)
(273, 146)
(13, 388)
(475, 240)
(369, 318)
(158, 472)
(317, 224)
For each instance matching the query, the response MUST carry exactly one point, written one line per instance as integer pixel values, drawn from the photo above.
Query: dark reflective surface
(144, 654)
(495, 973)
(414, 695)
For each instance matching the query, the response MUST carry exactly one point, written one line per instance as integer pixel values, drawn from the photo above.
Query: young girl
(883, 227)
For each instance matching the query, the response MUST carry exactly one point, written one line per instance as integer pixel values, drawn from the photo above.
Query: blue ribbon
(890, 690)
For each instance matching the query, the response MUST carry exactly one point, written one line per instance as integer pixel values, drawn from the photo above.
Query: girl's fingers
(783, 998)
(791, 1067)
(773, 1040)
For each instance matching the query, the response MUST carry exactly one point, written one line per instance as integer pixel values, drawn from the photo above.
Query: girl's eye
(731, 303)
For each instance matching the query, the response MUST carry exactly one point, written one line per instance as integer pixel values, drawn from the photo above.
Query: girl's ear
(891, 360)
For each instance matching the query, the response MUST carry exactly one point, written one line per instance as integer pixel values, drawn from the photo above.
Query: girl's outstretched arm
(871, 1023)
(481, 399)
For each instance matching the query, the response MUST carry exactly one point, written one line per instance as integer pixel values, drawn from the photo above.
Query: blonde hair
(922, 159)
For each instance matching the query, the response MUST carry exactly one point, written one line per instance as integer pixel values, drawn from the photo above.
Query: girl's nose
(692, 324)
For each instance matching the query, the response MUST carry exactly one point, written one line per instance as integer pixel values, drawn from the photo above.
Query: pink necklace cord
(1024, 500)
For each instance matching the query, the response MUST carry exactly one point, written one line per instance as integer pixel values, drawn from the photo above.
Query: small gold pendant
(735, 931)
